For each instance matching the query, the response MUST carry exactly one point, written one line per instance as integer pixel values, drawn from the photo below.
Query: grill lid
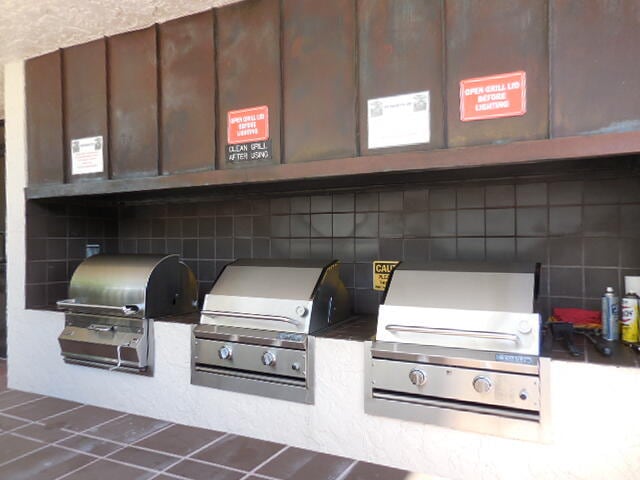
(132, 285)
(299, 296)
(477, 306)
(278, 279)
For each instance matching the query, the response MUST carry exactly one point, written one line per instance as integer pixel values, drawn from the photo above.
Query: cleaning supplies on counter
(610, 315)
(629, 318)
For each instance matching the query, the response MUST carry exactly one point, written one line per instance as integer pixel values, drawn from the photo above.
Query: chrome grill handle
(101, 328)
(129, 309)
(511, 337)
(71, 303)
(252, 316)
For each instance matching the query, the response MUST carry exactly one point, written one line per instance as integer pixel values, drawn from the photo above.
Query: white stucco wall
(594, 409)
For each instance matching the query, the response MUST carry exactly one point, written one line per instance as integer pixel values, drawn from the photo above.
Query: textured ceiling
(29, 28)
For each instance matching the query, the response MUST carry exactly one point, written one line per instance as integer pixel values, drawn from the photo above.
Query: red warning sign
(248, 125)
(495, 96)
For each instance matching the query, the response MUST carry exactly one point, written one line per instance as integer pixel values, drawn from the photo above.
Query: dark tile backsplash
(585, 231)
(57, 238)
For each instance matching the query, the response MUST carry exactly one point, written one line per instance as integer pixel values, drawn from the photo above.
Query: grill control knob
(482, 384)
(268, 359)
(301, 310)
(225, 353)
(524, 327)
(417, 377)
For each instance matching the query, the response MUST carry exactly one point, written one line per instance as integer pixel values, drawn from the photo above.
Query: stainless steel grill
(113, 298)
(458, 345)
(257, 323)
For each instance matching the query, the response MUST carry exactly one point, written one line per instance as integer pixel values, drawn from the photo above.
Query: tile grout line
(106, 457)
(204, 462)
(96, 426)
(78, 469)
(123, 445)
(39, 440)
(24, 455)
(33, 400)
(197, 450)
(139, 440)
(74, 433)
(187, 457)
(347, 470)
(257, 467)
(56, 414)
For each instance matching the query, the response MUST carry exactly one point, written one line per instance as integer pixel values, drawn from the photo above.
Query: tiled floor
(44, 438)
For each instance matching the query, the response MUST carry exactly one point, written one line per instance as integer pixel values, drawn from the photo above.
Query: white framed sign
(399, 120)
(87, 155)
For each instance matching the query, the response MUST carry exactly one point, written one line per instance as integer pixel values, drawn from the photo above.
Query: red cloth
(577, 316)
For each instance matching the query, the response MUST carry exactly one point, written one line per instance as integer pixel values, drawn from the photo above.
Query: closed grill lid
(300, 296)
(478, 306)
(294, 280)
(132, 285)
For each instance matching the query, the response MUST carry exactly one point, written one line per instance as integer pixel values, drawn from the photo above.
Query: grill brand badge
(381, 271)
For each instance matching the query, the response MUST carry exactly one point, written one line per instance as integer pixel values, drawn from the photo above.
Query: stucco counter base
(337, 424)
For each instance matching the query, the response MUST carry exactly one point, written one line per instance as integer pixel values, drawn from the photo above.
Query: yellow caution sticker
(381, 271)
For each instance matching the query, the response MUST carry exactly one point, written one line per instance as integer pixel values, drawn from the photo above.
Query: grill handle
(101, 328)
(252, 316)
(71, 303)
(512, 337)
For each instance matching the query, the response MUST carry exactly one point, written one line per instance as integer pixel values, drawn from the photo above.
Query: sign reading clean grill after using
(249, 152)
(248, 135)
(495, 96)
(86, 155)
(399, 120)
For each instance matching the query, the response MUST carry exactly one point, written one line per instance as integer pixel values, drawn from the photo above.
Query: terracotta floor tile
(202, 471)
(239, 452)
(8, 423)
(82, 418)
(129, 429)
(106, 470)
(45, 407)
(42, 433)
(12, 398)
(144, 458)
(370, 471)
(299, 464)
(46, 464)
(90, 445)
(12, 447)
(180, 439)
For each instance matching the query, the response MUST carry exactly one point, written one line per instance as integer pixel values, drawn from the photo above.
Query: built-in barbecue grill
(257, 323)
(458, 345)
(113, 298)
